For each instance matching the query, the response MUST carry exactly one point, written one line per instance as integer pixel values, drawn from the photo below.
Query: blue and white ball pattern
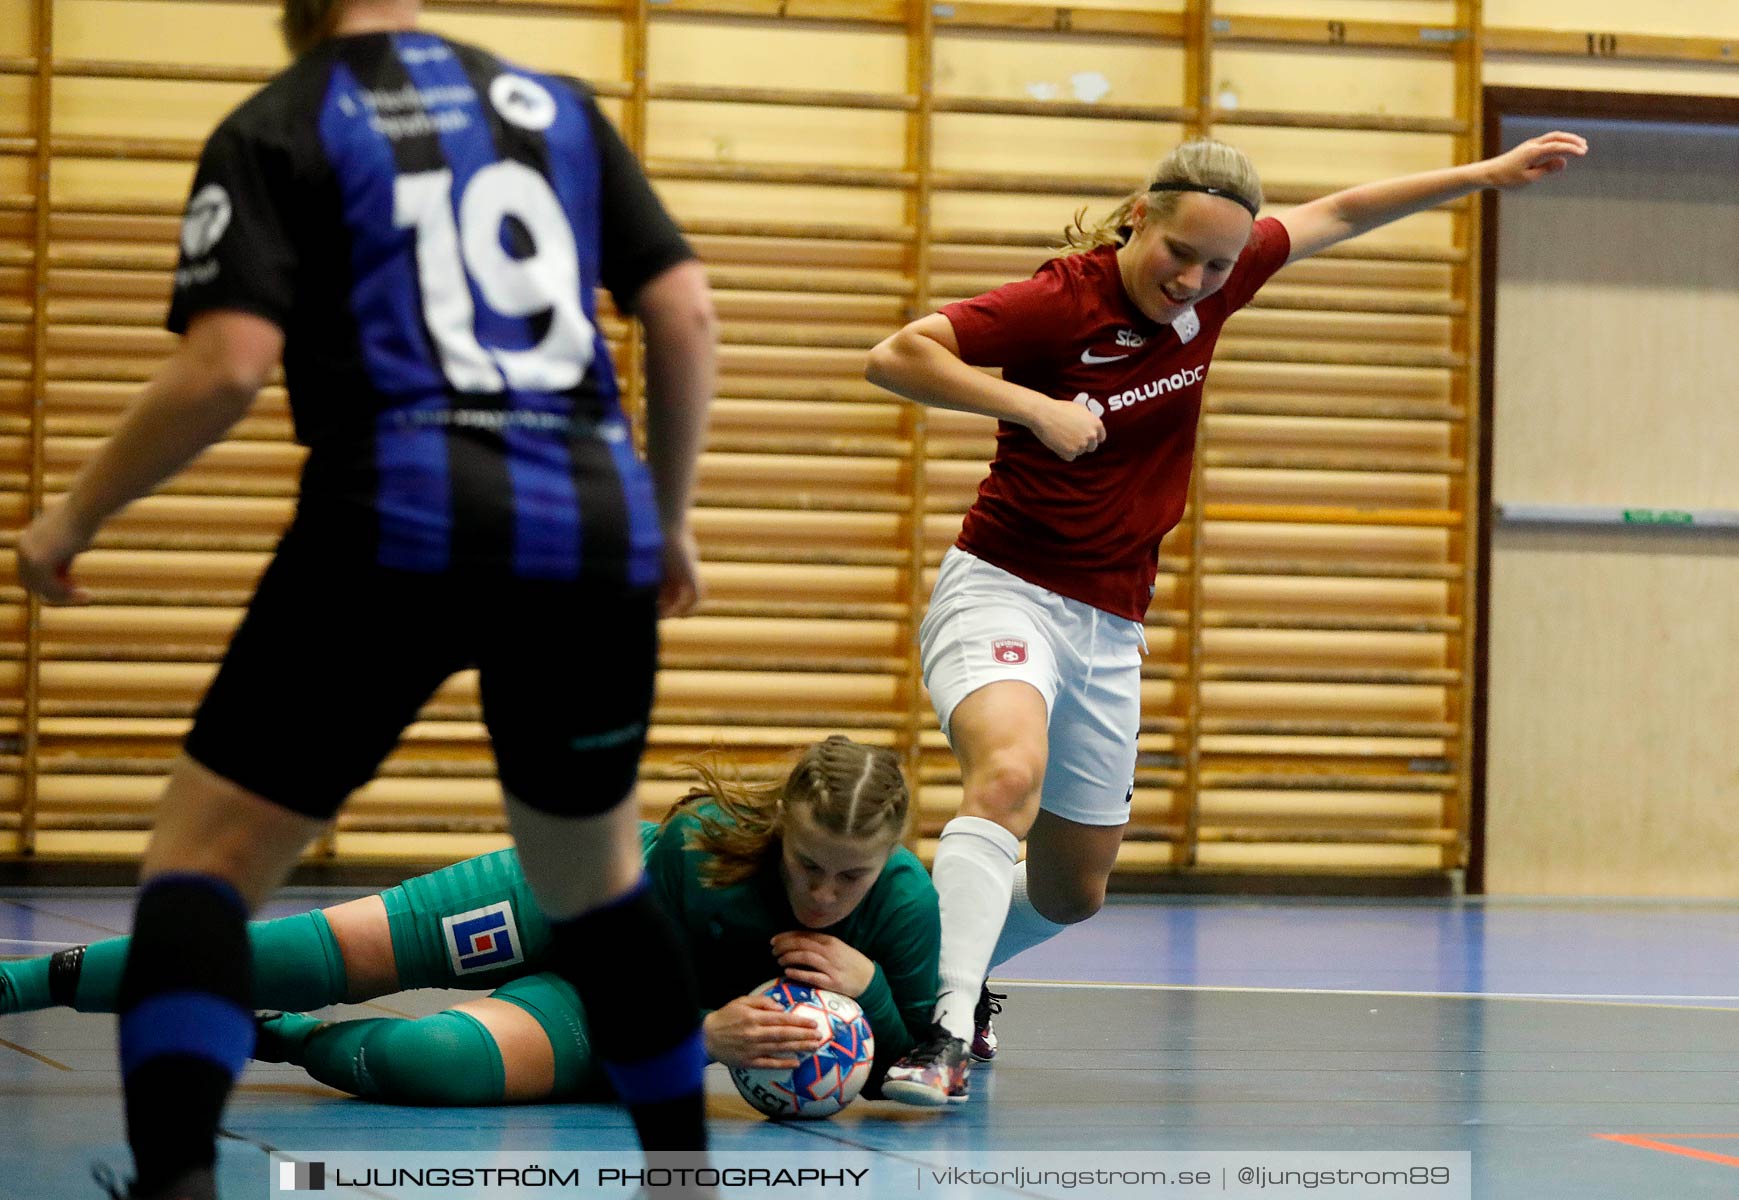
(827, 1080)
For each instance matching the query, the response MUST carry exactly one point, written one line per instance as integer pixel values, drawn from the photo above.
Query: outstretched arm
(1345, 214)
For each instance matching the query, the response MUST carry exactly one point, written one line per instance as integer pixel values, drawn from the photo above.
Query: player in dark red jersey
(1032, 644)
(417, 230)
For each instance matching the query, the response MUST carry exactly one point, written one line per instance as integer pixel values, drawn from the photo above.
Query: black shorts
(333, 661)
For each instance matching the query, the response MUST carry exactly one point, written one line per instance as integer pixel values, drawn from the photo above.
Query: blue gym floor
(1583, 1050)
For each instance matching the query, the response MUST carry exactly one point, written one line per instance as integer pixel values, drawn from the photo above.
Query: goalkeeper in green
(804, 877)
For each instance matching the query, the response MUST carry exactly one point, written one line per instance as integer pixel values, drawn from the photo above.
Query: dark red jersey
(1090, 529)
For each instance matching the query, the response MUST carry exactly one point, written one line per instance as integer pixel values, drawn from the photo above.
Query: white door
(1613, 722)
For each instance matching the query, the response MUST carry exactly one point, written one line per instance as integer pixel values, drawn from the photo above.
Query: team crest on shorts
(1010, 652)
(483, 939)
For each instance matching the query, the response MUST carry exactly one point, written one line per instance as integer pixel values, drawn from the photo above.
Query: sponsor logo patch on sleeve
(483, 939)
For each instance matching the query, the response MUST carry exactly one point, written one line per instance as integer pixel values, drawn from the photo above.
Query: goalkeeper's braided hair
(849, 788)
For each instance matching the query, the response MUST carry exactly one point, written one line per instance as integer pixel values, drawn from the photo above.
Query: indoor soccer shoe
(280, 1036)
(933, 1073)
(983, 1030)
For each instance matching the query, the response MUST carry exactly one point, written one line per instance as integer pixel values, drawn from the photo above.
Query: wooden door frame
(1499, 103)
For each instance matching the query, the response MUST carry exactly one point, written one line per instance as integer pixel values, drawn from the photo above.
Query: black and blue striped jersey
(428, 225)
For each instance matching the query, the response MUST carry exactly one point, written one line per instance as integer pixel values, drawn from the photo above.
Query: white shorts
(986, 625)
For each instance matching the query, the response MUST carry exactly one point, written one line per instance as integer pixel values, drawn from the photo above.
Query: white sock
(974, 875)
(1025, 927)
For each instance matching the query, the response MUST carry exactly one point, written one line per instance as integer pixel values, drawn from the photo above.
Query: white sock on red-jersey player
(974, 876)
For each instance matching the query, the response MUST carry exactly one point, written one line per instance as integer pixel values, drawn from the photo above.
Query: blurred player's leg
(185, 1018)
(648, 1036)
(568, 759)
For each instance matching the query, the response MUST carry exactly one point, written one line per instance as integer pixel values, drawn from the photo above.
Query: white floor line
(6, 941)
(1641, 999)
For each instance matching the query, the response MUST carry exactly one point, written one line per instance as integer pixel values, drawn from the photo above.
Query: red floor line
(1643, 1143)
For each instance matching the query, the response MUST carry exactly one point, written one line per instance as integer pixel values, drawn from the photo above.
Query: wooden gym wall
(843, 167)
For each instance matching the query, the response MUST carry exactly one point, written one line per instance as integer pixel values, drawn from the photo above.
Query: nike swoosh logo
(1088, 357)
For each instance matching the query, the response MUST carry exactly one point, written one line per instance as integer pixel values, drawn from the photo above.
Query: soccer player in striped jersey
(415, 229)
(1033, 640)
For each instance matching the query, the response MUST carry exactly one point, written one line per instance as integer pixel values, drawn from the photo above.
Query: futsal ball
(826, 1081)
